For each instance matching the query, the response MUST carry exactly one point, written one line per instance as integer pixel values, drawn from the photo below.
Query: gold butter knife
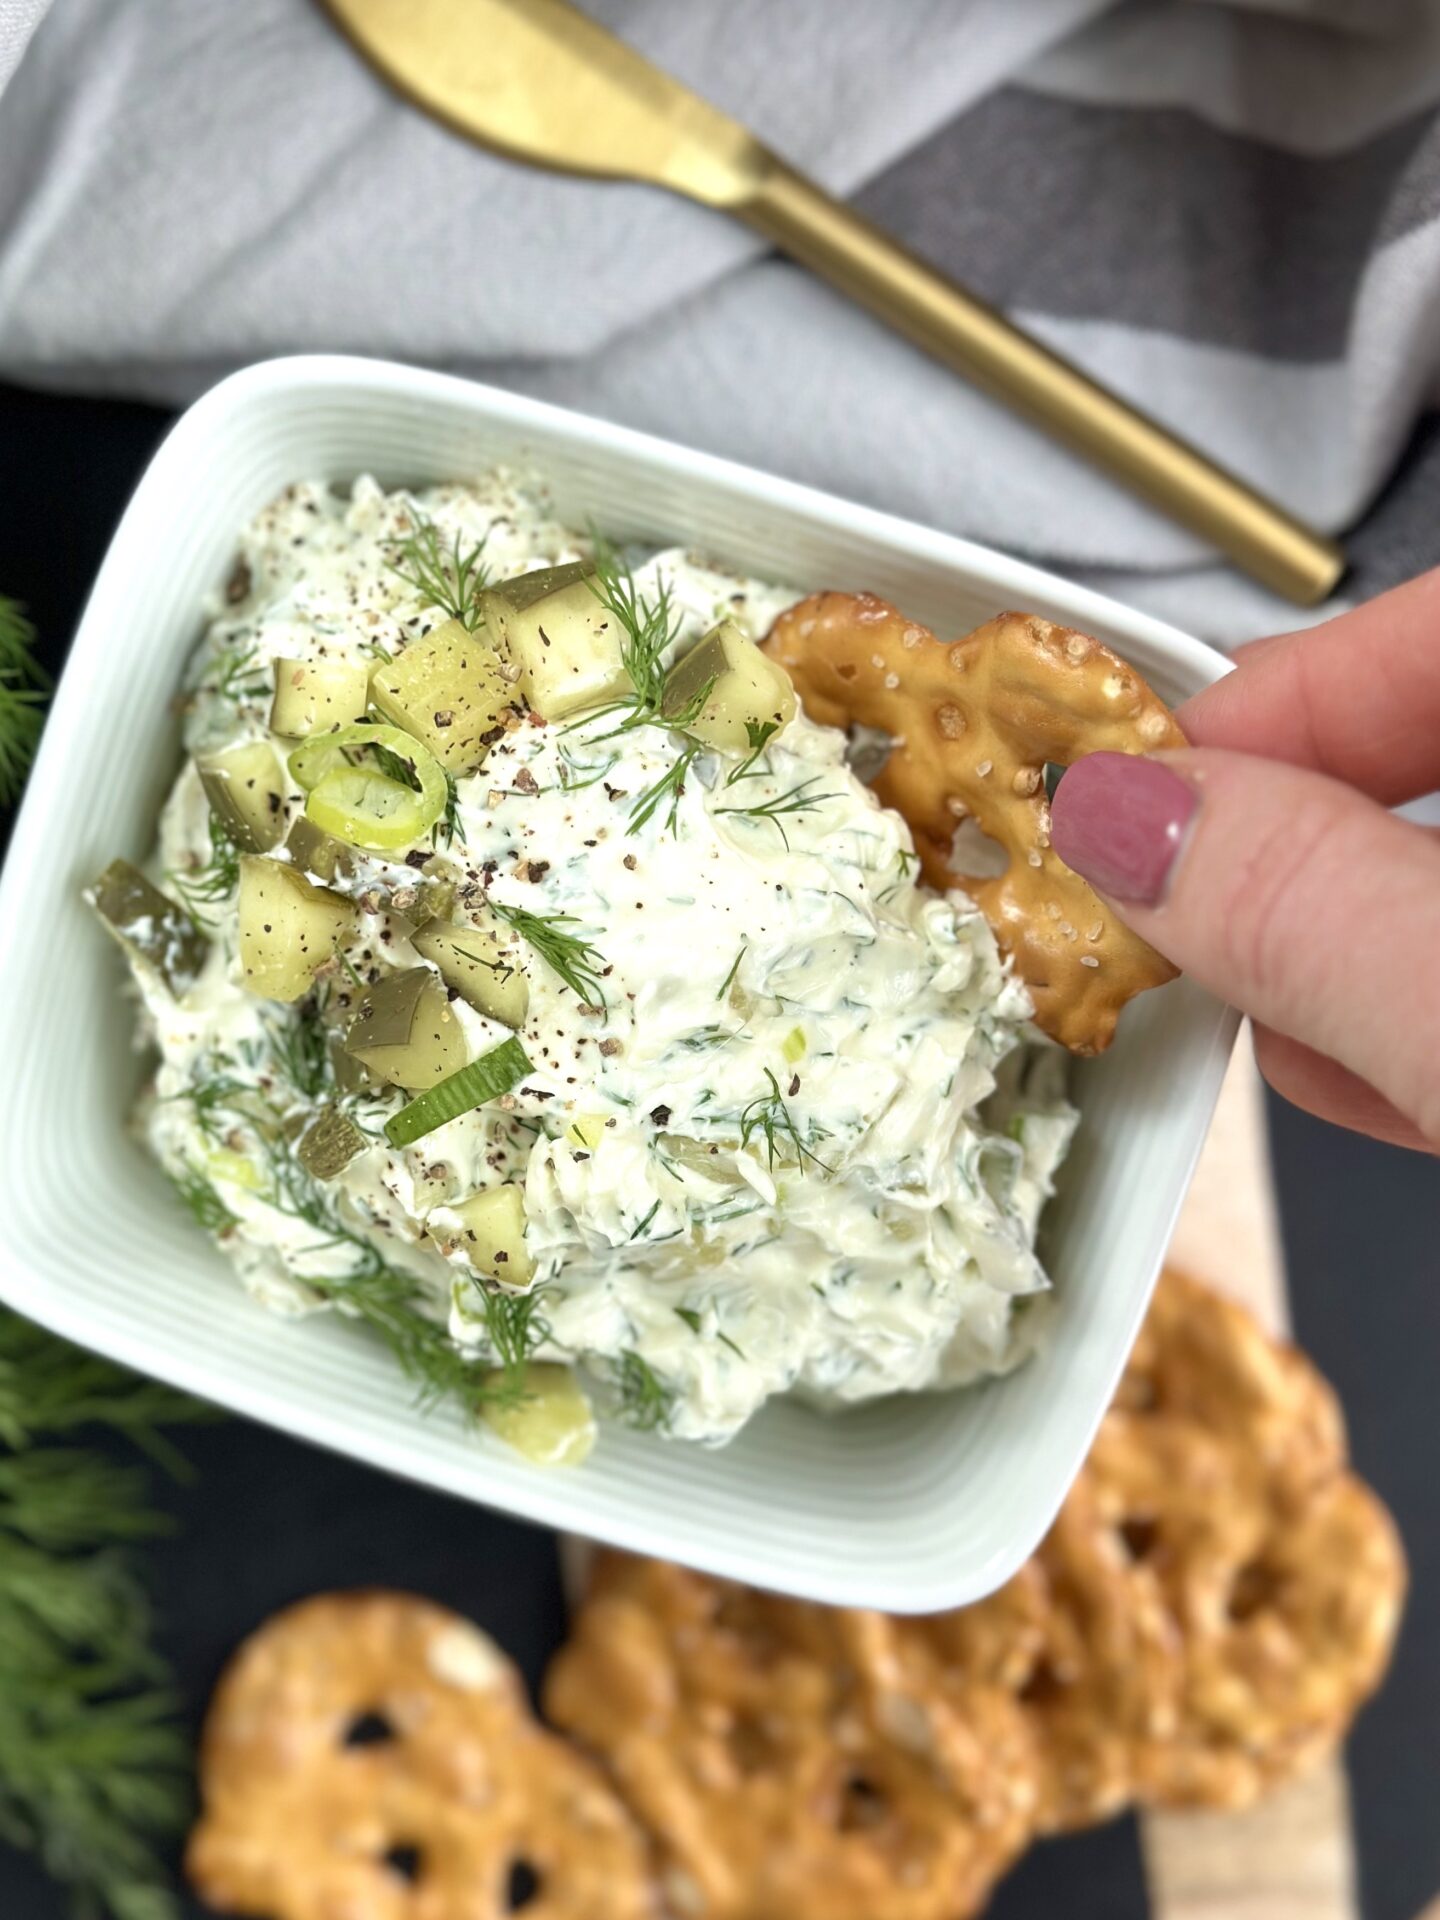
(539, 81)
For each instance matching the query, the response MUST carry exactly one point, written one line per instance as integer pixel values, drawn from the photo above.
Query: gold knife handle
(981, 344)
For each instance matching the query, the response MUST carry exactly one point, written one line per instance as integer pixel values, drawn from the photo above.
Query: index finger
(1357, 698)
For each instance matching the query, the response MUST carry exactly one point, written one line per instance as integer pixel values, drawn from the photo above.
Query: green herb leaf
(647, 628)
(202, 1202)
(796, 799)
(758, 733)
(729, 980)
(211, 882)
(670, 786)
(24, 689)
(514, 1328)
(769, 1117)
(574, 960)
(448, 828)
(93, 1765)
(451, 578)
(645, 1400)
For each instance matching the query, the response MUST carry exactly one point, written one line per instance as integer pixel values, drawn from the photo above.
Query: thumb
(1287, 893)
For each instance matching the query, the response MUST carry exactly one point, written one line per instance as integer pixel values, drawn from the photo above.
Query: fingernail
(1119, 821)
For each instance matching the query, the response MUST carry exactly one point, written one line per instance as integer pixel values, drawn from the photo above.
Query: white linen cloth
(1231, 216)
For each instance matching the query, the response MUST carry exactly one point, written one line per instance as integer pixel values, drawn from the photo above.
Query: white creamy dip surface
(796, 1170)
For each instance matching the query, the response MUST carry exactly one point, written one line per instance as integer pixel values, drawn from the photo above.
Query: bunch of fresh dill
(94, 1768)
(24, 689)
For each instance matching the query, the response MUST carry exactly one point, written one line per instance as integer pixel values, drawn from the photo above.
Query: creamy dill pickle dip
(754, 1114)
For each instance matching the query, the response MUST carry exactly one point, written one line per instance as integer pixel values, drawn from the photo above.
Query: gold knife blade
(540, 82)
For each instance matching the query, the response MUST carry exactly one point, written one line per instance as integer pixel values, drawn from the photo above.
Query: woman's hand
(1264, 863)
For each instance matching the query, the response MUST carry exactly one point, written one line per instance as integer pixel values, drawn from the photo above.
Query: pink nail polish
(1119, 821)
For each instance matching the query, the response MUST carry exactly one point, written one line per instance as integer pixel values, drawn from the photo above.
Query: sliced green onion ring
(485, 1079)
(358, 800)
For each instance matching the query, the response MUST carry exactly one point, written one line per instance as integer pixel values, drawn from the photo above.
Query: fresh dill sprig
(796, 799)
(390, 764)
(729, 980)
(386, 1298)
(570, 767)
(301, 1047)
(218, 1095)
(514, 1328)
(705, 1038)
(670, 786)
(647, 628)
(93, 1765)
(24, 689)
(47, 1388)
(645, 1400)
(201, 1200)
(772, 1120)
(449, 827)
(758, 734)
(452, 578)
(213, 881)
(232, 673)
(577, 962)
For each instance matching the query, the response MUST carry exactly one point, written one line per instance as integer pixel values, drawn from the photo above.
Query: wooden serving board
(1292, 1857)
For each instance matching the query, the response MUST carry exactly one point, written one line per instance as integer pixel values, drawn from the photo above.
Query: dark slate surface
(268, 1520)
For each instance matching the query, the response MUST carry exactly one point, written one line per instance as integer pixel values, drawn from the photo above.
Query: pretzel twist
(371, 1754)
(974, 723)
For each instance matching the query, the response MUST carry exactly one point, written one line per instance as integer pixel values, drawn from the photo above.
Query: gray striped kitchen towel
(1230, 212)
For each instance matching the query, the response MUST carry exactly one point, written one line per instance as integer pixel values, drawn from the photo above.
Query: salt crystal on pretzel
(373, 1754)
(974, 723)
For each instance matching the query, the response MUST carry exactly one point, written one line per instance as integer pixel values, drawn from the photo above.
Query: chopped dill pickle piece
(149, 924)
(487, 1078)
(330, 1143)
(221, 1164)
(493, 1236)
(288, 928)
(351, 1075)
(404, 1030)
(311, 696)
(550, 1422)
(553, 625)
(727, 693)
(315, 852)
(793, 1046)
(448, 690)
(586, 1131)
(246, 790)
(434, 900)
(478, 967)
(712, 1159)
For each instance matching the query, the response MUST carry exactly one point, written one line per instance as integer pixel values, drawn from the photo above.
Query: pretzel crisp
(777, 1757)
(369, 1756)
(1287, 1608)
(1203, 1359)
(974, 723)
(1216, 1599)
(1091, 1653)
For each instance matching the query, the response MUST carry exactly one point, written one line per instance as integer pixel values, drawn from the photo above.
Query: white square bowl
(911, 1504)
